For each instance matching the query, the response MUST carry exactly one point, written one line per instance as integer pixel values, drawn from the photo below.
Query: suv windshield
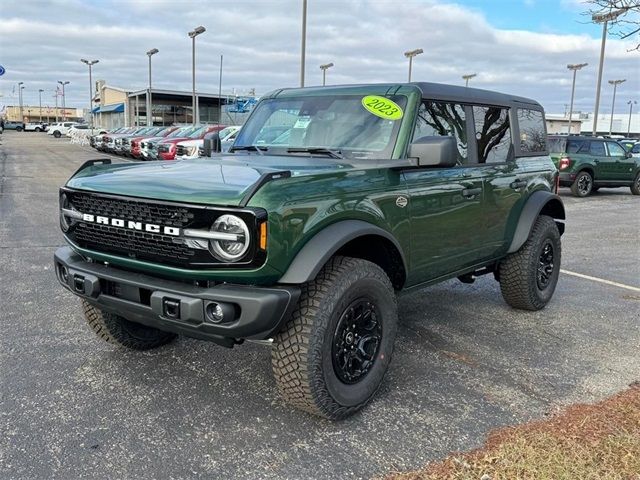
(339, 124)
(180, 132)
(199, 131)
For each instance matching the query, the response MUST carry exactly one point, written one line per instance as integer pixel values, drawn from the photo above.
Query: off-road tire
(302, 355)
(519, 271)
(583, 184)
(38, 129)
(18, 129)
(118, 330)
(57, 134)
(635, 186)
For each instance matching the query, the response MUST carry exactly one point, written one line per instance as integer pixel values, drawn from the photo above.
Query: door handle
(518, 184)
(471, 192)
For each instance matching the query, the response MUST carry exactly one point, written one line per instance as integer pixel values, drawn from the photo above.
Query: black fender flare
(317, 251)
(536, 203)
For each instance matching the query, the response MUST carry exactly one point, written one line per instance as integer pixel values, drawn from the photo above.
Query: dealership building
(117, 107)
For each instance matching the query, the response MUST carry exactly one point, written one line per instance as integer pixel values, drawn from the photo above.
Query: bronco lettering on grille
(117, 222)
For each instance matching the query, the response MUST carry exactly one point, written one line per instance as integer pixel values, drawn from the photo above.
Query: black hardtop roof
(435, 91)
(471, 95)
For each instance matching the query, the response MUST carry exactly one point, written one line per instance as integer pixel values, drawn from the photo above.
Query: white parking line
(601, 280)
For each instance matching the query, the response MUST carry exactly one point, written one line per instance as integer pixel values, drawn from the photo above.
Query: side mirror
(629, 155)
(212, 145)
(434, 151)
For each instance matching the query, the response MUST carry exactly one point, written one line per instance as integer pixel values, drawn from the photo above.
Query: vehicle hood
(175, 140)
(222, 180)
(191, 143)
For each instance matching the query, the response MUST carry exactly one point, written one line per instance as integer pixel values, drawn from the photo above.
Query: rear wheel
(332, 355)
(635, 187)
(18, 129)
(116, 329)
(529, 276)
(57, 134)
(38, 129)
(583, 184)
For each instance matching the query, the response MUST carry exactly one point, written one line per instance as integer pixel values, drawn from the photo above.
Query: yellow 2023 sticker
(382, 107)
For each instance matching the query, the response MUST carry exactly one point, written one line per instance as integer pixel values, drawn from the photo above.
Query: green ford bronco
(331, 202)
(588, 163)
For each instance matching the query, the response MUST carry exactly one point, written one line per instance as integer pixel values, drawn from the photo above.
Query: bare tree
(627, 25)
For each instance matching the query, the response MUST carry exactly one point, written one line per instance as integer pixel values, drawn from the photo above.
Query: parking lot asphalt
(72, 406)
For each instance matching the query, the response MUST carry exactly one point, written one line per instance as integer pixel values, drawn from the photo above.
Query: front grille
(140, 244)
(125, 141)
(164, 148)
(181, 150)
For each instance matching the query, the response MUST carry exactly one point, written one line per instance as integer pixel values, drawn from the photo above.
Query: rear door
(604, 166)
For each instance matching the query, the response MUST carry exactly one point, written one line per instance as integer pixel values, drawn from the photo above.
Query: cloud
(42, 42)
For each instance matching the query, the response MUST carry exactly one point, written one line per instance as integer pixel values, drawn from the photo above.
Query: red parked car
(135, 141)
(167, 148)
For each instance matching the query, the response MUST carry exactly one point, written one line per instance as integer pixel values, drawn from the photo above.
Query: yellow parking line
(601, 280)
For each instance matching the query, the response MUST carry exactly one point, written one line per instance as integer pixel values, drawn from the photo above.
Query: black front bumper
(254, 313)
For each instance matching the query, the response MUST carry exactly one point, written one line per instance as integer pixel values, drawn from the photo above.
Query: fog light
(214, 312)
(64, 273)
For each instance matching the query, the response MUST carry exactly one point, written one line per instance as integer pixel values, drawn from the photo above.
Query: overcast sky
(519, 47)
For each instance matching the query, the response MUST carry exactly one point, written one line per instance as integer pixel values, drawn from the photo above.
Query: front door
(446, 204)
(622, 167)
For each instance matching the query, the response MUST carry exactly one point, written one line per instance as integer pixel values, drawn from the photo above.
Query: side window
(577, 146)
(615, 150)
(597, 149)
(636, 148)
(437, 119)
(493, 135)
(533, 137)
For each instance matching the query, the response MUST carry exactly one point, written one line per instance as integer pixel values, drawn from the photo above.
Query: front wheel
(38, 129)
(583, 184)
(57, 134)
(116, 329)
(18, 129)
(635, 187)
(331, 356)
(529, 276)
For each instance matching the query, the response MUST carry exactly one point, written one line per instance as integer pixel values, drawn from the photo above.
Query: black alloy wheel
(356, 341)
(545, 265)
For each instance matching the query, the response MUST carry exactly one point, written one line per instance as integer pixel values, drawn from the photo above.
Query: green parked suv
(331, 202)
(588, 163)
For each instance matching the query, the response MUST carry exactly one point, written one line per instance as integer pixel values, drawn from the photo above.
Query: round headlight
(236, 246)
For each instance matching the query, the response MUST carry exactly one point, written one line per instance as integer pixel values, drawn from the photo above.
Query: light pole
(40, 102)
(64, 107)
(56, 97)
(410, 54)
(574, 67)
(150, 53)
(468, 77)
(303, 49)
(324, 69)
(20, 87)
(615, 84)
(193, 34)
(631, 103)
(603, 18)
(90, 63)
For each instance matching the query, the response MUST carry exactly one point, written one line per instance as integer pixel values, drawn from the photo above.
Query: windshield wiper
(252, 148)
(320, 150)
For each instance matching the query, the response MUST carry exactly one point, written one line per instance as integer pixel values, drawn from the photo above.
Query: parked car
(111, 141)
(60, 129)
(149, 146)
(194, 148)
(35, 127)
(137, 140)
(78, 127)
(96, 141)
(635, 150)
(304, 244)
(123, 144)
(17, 126)
(167, 147)
(588, 163)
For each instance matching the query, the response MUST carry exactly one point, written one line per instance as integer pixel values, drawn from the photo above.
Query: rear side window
(557, 145)
(532, 131)
(636, 148)
(597, 149)
(493, 135)
(438, 119)
(578, 146)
